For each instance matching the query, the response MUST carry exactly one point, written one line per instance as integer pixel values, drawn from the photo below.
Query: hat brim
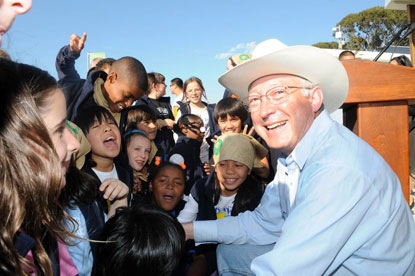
(308, 62)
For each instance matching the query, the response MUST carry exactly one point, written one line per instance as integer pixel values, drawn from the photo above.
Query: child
(138, 148)
(167, 185)
(161, 106)
(101, 130)
(230, 190)
(186, 151)
(230, 116)
(125, 82)
(35, 149)
(140, 240)
(142, 117)
(192, 104)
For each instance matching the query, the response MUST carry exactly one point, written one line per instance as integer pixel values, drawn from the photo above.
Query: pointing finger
(83, 39)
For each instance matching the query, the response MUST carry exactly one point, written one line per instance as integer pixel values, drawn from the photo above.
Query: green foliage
(372, 28)
(327, 45)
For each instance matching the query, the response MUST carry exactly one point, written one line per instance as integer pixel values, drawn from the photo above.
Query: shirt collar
(304, 148)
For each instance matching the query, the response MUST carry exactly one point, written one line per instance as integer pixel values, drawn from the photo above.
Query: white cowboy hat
(274, 57)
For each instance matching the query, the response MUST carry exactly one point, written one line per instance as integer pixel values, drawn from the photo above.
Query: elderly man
(335, 206)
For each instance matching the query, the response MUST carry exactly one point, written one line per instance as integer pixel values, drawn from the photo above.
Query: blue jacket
(24, 243)
(79, 93)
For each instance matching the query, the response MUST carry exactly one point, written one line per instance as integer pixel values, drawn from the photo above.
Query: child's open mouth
(168, 198)
(110, 142)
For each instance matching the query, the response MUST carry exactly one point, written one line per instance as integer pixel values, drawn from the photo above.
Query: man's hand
(188, 228)
(76, 43)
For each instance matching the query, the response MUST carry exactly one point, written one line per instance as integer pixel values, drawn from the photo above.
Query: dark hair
(80, 187)
(346, 53)
(157, 169)
(402, 60)
(248, 196)
(132, 71)
(139, 113)
(104, 62)
(86, 117)
(178, 82)
(102, 65)
(231, 106)
(140, 240)
(184, 120)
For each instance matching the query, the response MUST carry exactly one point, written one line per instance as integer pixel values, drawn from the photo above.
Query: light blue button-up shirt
(348, 214)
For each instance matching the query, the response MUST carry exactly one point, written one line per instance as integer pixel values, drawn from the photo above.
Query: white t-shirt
(106, 175)
(177, 99)
(190, 210)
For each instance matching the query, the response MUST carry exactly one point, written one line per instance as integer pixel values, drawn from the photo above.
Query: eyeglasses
(197, 90)
(275, 95)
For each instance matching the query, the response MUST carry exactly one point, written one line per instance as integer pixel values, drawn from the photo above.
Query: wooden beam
(411, 16)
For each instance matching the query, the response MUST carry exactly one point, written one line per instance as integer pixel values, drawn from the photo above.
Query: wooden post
(376, 109)
(411, 16)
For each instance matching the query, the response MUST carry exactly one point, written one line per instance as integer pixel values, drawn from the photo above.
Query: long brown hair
(30, 173)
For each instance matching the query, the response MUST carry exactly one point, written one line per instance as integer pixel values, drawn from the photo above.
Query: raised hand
(245, 130)
(76, 43)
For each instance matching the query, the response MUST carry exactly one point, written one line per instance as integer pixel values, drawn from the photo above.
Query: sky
(177, 38)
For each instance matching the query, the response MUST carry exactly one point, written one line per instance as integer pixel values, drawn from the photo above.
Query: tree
(327, 45)
(371, 29)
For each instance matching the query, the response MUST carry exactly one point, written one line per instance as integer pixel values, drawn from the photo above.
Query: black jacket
(164, 139)
(190, 150)
(124, 175)
(185, 109)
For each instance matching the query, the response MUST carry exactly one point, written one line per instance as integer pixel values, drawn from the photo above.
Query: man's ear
(112, 77)
(150, 186)
(316, 98)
